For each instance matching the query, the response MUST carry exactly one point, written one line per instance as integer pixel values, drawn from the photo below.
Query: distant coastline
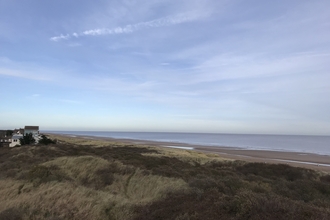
(285, 143)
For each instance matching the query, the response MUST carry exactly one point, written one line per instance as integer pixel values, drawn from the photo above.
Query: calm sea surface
(296, 143)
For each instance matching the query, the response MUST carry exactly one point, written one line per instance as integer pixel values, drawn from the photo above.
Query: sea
(290, 143)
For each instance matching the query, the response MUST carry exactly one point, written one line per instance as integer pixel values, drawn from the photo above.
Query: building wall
(15, 140)
(34, 132)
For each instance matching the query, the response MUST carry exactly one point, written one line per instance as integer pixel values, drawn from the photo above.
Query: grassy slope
(92, 179)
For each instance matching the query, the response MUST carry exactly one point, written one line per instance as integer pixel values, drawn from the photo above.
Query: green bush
(27, 139)
(45, 140)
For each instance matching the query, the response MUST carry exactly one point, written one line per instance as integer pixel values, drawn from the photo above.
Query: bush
(325, 178)
(42, 174)
(11, 214)
(203, 182)
(212, 204)
(276, 171)
(45, 140)
(9, 133)
(102, 178)
(27, 139)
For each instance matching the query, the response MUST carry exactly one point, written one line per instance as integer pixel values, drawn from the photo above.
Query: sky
(214, 66)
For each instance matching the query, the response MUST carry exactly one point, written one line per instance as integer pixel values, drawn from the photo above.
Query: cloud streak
(60, 37)
(161, 22)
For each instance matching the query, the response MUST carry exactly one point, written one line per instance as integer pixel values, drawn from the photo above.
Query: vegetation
(27, 139)
(9, 133)
(71, 180)
(45, 140)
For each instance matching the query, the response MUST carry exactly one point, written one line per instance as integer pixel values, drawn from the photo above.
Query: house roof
(17, 136)
(31, 127)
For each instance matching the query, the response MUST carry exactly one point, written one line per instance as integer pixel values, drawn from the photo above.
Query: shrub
(9, 133)
(203, 182)
(42, 174)
(211, 204)
(11, 214)
(45, 140)
(276, 171)
(27, 139)
(325, 179)
(102, 178)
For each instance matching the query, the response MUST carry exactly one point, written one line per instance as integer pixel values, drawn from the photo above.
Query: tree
(27, 139)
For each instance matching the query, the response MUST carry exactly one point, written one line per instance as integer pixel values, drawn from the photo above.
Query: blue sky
(184, 66)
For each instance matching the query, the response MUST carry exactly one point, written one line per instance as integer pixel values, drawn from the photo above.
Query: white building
(15, 140)
(31, 129)
(34, 130)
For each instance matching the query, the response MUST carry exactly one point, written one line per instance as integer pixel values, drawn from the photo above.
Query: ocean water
(293, 143)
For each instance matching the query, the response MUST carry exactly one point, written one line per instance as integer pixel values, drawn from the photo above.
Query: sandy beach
(306, 160)
(298, 159)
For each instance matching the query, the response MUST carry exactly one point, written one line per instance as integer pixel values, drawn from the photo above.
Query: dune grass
(190, 156)
(83, 179)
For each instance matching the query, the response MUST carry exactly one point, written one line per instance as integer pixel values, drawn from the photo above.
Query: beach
(297, 159)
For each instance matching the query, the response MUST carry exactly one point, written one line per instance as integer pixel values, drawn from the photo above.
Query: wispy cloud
(60, 37)
(161, 22)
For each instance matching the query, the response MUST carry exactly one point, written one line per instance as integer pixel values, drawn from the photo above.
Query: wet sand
(306, 160)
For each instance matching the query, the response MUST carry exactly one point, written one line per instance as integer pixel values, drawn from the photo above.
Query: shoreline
(298, 159)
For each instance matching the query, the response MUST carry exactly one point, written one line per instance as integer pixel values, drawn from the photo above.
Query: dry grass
(73, 180)
(142, 188)
(79, 167)
(80, 140)
(190, 156)
(86, 141)
(63, 200)
(71, 200)
(183, 155)
(128, 182)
